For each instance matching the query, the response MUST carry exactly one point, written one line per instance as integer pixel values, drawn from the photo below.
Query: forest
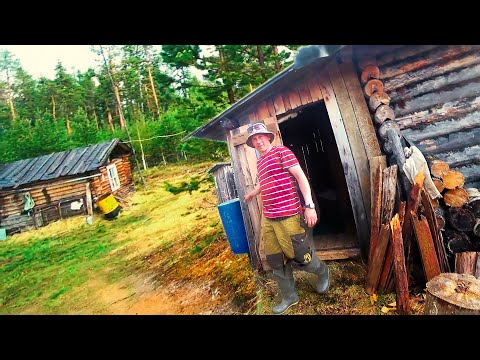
(148, 96)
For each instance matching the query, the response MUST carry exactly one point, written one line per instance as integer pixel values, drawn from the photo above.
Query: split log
(413, 201)
(466, 263)
(440, 221)
(435, 231)
(457, 241)
(424, 238)
(476, 227)
(453, 294)
(474, 207)
(366, 61)
(452, 179)
(376, 169)
(376, 260)
(455, 197)
(439, 185)
(373, 86)
(382, 130)
(401, 278)
(377, 99)
(370, 72)
(383, 112)
(438, 168)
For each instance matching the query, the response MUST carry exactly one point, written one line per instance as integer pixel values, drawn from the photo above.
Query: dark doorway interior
(310, 136)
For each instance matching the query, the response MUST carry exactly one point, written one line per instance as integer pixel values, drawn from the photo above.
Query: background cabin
(319, 108)
(61, 184)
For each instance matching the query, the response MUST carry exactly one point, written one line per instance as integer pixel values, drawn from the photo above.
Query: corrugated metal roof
(65, 163)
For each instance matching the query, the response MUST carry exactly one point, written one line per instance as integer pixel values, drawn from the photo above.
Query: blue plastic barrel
(232, 220)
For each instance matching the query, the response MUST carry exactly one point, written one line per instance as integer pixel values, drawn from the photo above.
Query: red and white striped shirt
(277, 184)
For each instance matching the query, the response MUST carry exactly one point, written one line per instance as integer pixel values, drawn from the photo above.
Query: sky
(40, 60)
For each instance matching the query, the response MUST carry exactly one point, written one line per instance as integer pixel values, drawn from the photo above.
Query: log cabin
(37, 191)
(327, 107)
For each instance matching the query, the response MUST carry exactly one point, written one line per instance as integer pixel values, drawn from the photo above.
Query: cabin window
(113, 177)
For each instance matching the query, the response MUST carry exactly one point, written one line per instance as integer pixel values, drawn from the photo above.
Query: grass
(166, 241)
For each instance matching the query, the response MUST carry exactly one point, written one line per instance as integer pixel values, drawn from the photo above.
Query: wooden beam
(377, 260)
(423, 235)
(401, 278)
(376, 171)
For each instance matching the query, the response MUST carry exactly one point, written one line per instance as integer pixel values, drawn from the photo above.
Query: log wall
(101, 185)
(435, 94)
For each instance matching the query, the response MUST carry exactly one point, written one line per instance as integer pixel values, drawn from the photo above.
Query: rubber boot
(286, 282)
(319, 268)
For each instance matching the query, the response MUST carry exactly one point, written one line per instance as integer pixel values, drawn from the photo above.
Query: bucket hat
(258, 128)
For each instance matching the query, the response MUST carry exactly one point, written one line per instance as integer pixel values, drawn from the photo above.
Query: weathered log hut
(318, 107)
(61, 184)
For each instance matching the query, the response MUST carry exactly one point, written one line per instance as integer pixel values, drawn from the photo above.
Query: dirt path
(175, 298)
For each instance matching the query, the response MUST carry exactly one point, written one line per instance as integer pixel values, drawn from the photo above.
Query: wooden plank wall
(225, 184)
(303, 93)
(435, 94)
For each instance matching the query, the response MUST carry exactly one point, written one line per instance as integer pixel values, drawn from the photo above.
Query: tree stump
(453, 294)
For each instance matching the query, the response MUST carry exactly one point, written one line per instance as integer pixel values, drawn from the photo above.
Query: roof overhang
(215, 129)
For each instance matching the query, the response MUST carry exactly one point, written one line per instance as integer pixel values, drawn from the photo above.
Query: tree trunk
(277, 63)
(119, 104)
(115, 88)
(152, 85)
(10, 98)
(110, 120)
(261, 61)
(453, 294)
(69, 128)
(96, 119)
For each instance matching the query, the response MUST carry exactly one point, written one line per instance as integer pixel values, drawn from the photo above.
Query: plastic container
(108, 205)
(232, 220)
(3, 234)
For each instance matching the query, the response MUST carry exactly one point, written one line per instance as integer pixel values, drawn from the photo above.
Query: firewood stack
(459, 213)
(407, 222)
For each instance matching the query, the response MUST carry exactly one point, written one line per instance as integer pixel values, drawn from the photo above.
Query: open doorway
(310, 136)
